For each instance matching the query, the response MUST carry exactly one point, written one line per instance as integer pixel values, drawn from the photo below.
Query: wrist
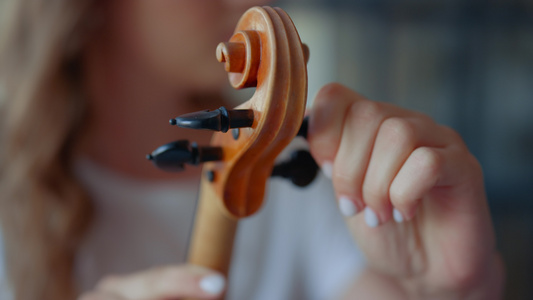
(488, 285)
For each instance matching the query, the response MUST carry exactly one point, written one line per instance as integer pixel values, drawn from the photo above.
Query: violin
(264, 52)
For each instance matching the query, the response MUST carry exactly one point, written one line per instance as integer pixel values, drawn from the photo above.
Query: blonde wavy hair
(43, 209)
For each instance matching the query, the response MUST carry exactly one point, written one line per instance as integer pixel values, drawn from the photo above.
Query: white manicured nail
(213, 284)
(327, 169)
(371, 218)
(397, 216)
(347, 207)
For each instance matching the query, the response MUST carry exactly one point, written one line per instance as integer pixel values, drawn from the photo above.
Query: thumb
(166, 282)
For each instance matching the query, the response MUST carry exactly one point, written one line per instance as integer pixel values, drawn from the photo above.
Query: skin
(386, 157)
(382, 157)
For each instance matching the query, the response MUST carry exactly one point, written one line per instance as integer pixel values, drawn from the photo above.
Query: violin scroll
(241, 56)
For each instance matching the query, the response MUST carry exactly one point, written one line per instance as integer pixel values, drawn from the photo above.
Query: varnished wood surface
(265, 52)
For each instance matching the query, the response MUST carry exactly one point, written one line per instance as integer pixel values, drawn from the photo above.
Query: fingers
(325, 132)
(355, 149)
(415, 179)
(435, 170)
(161, 283)
(396, 140)
(384, 158)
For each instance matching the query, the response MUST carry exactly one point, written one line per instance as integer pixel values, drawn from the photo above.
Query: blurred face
(175, 40)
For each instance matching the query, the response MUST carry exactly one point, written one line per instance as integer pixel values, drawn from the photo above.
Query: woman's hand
(162, 283)
(421, 215)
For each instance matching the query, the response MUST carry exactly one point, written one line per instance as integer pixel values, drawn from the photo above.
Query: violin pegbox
(265, 52)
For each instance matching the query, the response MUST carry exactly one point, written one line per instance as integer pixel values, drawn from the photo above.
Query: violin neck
(213, 233)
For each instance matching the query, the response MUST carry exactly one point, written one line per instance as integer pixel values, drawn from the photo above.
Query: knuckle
(453, 135)
(324, 146)
(465, 278)
(343, 179)
(347, 180)
(475, 169)
(398, 196)
(476, 165)
(331, 91)
(424, 118)
(373, 193)
(399, 131)
(428, 160)
(365, 111)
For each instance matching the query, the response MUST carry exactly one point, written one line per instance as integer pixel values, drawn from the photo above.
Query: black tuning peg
(172, 157)
(218, 120)
(301, 169)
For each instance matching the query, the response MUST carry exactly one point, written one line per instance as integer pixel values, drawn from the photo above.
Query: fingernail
(327, 169)
(347, 207)
(213, 284)
(371, 218)
(397, 216)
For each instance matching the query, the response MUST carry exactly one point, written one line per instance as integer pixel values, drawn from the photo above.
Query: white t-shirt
(296, 247)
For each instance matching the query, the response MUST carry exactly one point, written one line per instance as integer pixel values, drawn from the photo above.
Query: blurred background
(468, 64)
